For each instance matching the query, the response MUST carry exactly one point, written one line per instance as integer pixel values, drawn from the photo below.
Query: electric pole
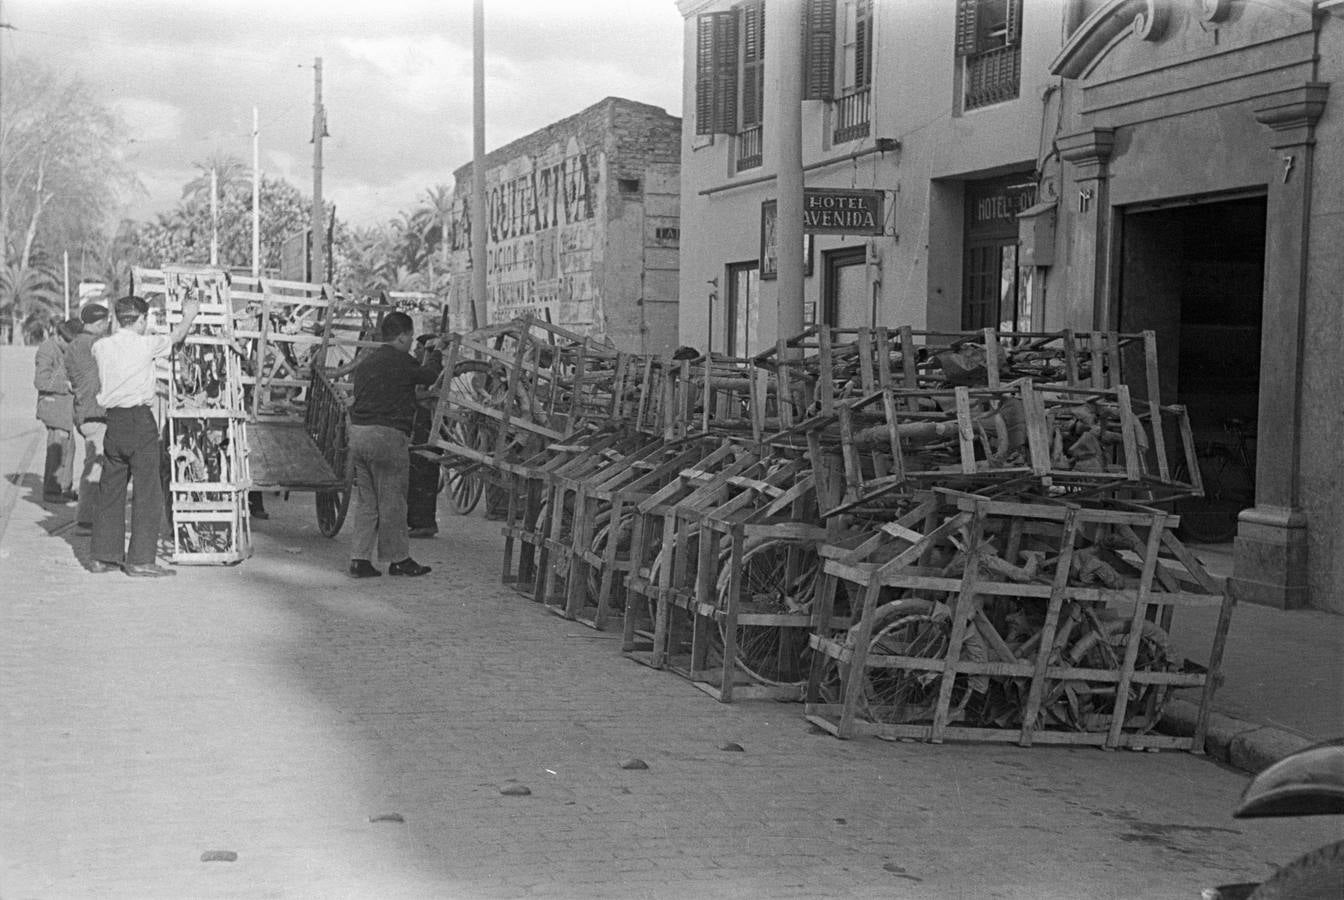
(318, 229)
(256, 196)
(478, 210)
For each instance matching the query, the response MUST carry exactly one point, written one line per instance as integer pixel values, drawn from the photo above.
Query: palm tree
(230, 172)
(30, 299)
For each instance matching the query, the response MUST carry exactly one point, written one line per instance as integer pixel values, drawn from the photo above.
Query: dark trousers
(58, 474)
(131, 449)
(422, 489)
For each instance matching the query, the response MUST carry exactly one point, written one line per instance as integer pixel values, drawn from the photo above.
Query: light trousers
(382, 464)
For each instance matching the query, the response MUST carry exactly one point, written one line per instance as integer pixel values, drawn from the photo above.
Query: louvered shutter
(863, 43)
(1013, 23)
(753, 65)
(716, 73)
(819, 50)
(966, 27)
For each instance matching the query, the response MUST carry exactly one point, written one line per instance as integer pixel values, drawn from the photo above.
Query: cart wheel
(331, 509)
(464, 490)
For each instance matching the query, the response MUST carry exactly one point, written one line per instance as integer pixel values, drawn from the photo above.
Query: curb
(1243, 745)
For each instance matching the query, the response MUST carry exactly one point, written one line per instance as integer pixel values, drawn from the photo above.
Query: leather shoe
(259, 514)
(98, 566)
(362, 568)
(150, 570)
(427, 531)
(83, 529)
(407, 567)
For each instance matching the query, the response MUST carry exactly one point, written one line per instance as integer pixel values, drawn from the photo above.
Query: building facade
(1095, 164)
(583, 227)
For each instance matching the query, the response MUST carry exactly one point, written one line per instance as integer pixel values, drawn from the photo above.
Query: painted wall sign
(835, 211)
(543, 234)
(993, 206)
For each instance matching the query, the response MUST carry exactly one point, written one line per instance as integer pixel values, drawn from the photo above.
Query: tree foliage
(60, 159)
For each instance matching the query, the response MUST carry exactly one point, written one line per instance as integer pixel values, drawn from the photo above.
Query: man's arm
(190, 307)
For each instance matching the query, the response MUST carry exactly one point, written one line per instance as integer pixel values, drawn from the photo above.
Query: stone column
(1271, 546)
(1089, 153)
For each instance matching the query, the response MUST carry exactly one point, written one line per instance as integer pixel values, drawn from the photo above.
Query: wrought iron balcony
(993, 76)
(748, 149)
(851, 113)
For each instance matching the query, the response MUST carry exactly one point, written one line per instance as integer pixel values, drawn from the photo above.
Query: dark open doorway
(1195, 274)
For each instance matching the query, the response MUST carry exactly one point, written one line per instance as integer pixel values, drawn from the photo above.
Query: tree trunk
(38, 202)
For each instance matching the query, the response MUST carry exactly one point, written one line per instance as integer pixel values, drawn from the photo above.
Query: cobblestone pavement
(274, 708)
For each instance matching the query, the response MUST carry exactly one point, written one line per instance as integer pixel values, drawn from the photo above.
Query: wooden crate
(663, 552)
(962, 592)
(205, 428)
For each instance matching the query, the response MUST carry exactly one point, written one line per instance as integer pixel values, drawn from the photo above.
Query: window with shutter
(966, 26)
(716, 73)
(752, 18)
(989, 41)
(819, 50)
(854, 70)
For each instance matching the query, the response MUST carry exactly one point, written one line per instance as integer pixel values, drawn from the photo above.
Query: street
(351, 739)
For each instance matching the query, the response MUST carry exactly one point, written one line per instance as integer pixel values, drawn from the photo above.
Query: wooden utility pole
(256, 196)
(214, 216)
(318, 231)
(784, 37)
(478, 209)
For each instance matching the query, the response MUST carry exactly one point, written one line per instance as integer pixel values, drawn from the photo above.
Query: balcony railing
(851, 115)
(748, 149)
(993, 76)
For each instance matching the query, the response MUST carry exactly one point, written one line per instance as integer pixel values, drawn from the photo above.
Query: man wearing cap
(380, 431)
(55, 409)
(131, 451)
(90, 418)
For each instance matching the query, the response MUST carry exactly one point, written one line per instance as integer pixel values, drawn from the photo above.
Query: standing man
(55, 409)
(380, 431)
(90, 418)
(125, 361)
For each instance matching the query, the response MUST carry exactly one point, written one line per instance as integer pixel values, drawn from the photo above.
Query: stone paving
(273, 709)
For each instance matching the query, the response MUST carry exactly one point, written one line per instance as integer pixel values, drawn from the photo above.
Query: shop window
(730, 78)
(838, 64)
(989, 51)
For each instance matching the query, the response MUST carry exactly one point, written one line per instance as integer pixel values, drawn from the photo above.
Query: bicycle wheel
(1088, 706)
(602, 537)
(911, 628)
(773, 654)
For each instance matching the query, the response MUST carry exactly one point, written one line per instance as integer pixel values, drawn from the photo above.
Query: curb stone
(1244, 745)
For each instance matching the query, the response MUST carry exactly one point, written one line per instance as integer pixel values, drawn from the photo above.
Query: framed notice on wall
(770, 247)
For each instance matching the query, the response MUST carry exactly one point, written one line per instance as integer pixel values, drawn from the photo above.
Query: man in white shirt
(125, 361)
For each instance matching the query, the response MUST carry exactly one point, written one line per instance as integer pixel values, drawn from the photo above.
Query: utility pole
(784, 37)
(214, 216)
(478, 210)
(66, 254)
(256, 196)
(318, 231)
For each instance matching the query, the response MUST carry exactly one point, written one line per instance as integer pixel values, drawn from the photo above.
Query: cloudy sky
(185, 75)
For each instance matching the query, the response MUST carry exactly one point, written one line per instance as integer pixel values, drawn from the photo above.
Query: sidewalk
(1283, 676)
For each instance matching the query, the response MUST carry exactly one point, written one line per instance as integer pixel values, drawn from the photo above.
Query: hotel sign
(836, 211)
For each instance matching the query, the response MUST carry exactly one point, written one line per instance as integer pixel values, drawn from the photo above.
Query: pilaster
(1088, 153)
(1271, 545)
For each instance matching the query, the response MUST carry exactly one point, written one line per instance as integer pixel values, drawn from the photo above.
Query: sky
(396, 81)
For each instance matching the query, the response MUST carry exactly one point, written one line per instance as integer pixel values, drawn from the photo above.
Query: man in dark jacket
(380, 428)
(90, 418)
(55, 409)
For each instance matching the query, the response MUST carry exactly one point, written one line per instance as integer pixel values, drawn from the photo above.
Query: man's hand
(190, 307)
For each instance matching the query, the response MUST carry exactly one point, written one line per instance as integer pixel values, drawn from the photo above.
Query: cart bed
(283, 456)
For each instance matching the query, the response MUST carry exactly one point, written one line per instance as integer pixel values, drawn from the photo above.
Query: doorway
(743, 312)
(848, 302)
(1195, 275)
